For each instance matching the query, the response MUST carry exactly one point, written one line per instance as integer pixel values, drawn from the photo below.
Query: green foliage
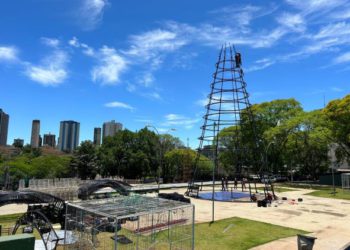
(46, 166)
(338, 115)
(180, 161)
(135, 154)
(285, 135)
(85, 162)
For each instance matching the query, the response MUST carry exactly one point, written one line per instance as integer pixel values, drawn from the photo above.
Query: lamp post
(160, 151)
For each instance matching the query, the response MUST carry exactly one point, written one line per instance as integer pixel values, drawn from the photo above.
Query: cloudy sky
(151, 62)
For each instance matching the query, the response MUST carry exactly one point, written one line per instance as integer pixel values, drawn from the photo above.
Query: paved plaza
(327, 219)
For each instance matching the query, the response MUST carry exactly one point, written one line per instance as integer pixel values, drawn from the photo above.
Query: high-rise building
(35, 137)
(4, 125)
(49, 140)
(97, 136)
(69, 136)
(18, 143)
(111, 128)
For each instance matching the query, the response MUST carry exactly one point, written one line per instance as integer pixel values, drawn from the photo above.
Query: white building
(111, 128)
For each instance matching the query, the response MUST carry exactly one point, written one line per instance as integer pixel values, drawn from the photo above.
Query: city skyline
(35, 134)
(96, 60)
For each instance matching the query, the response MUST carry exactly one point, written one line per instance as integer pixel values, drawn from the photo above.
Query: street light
(160, 151)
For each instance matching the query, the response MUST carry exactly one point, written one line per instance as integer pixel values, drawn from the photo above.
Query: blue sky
(151, 62)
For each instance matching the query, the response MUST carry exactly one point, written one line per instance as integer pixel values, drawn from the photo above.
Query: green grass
(327, 193)
(238, 234)
(228, 234)
(9, 220)
(322, 191)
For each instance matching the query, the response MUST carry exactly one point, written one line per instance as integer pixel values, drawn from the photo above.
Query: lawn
(327, 193)
(238, 234)
(228, 234)
(322, 191)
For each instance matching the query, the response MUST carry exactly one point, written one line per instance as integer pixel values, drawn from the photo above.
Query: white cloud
(152, 95)
(334, 30)
(179, 120)
(260, 64)
(116, 104)
(202, 102)
(87, 50)
(293, 21)
(336, 89)
(131, 87)
(91, 13)
(341, 14)
(52, 70)
(212, 35)
(344, 58)
(147, 79)
(148, 45)
(74, 42)
(8, 53)
(311, 6)
(111, 65)
(146, 121)
(51, 42)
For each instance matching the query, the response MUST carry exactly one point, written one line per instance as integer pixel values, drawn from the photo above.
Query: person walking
(222, 184)
(226, 183)
(243, 183)
(235, 183)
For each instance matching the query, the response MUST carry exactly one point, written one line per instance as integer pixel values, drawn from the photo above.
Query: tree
(178, 161)
(304, 140)
(85, 162)
(337, 113)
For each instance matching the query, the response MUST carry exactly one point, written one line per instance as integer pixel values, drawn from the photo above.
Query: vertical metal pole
(193, 219)
(116, 234)
(161, 161)
(213, 191)
(333, 182)
(138, 233)
(65, 225)
(169, 240)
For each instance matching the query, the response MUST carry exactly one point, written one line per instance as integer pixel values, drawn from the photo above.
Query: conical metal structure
(227, 110)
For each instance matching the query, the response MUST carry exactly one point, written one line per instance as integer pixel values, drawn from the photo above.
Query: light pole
(160, 151)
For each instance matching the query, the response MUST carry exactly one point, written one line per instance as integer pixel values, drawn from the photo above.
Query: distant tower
(68, 140)
(4, 124)
(111, 128)
(97, 136)
(49, 140)
(35, 138)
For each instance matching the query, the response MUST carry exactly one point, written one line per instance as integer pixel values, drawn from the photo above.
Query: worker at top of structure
(238, 60)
